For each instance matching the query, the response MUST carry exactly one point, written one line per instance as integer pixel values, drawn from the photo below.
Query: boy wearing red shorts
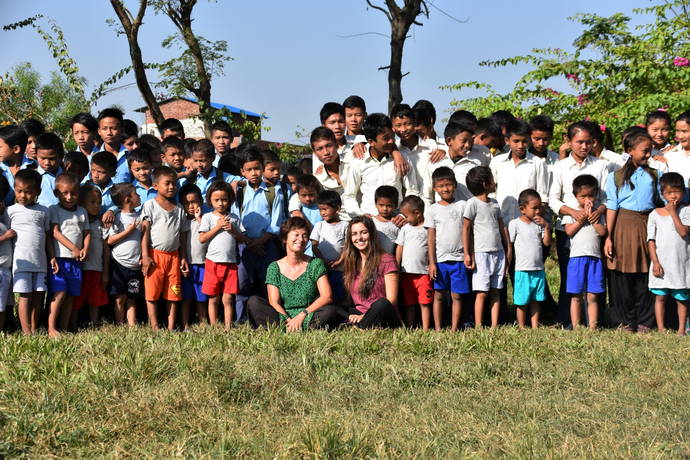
(164, 245)
(412, 254)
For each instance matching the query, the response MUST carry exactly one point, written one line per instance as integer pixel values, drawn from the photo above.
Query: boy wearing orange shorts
(165, 231)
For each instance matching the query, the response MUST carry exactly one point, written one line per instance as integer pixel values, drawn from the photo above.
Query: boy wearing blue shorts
(71, 236)
(528, 233)
(192, 202)
(446, 254)
(585, 271)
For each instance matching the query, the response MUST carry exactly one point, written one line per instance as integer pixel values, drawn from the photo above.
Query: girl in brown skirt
(631, 194)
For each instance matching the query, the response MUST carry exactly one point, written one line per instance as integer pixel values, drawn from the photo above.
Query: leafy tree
(23, 95)
(615, 74)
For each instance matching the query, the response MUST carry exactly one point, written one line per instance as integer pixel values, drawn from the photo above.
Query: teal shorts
(529, 287)
(682, 295)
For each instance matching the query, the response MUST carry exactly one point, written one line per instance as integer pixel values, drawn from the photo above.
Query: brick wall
(179, 109)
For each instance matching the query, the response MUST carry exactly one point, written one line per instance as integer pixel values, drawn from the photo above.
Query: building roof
(215, 105)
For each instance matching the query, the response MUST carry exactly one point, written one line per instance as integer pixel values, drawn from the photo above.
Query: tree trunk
(395, 70)
(131, 28)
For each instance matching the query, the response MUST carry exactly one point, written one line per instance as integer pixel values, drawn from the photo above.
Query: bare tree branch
(376, 7)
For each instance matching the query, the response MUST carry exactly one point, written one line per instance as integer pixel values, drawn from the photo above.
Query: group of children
(128, 220)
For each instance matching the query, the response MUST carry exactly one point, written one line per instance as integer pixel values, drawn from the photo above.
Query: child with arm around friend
(528, 234)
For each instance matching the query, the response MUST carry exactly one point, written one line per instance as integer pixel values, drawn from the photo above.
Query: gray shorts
(489, 270)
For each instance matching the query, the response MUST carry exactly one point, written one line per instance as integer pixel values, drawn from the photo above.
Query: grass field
(505, 393)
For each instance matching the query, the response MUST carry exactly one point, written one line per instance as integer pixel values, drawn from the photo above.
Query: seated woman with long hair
(299, 295)
(371, 277)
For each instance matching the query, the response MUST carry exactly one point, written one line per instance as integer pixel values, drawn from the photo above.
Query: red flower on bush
(573, 77)
(681, 62)
(581, 99)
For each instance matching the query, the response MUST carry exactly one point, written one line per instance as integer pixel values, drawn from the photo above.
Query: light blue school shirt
(106, 200)
(145, 194)
(255, 217)
(641, 199)
(47, 196)
(5, 171)
(122, 173)
(312, 213)
(27, 163)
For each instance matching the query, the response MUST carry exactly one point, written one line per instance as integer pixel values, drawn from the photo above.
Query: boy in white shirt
(517, 170)
(443, 222)
(6, 248)
(386, 198)
(375, 169)
(328, 240)
(71, 238)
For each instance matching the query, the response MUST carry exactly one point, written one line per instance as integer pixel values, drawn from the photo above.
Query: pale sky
(290, 57)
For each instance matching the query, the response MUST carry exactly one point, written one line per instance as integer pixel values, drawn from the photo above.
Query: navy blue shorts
(124, 280)
(337, 281)
(585, 274)
(68, 277)
(191, 284)
(452, 276)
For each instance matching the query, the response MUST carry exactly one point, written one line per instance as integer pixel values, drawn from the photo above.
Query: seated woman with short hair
(371, 277)
(299, 295)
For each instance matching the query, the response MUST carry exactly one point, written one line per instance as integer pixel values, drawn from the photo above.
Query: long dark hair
(623, 176)
(353, 258)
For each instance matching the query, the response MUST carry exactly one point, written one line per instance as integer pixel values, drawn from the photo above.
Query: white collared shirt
(511, 179)
(344, 152)
(615, 160)
(329, 182)
(419, 158)
(678, 161)
(564, 172)
(365, 175)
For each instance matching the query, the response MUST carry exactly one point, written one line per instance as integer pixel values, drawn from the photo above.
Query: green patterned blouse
(299, 293)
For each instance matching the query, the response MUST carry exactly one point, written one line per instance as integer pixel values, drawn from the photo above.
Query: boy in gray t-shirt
(528, 234)
(192, 202)
(163, 246)
(487, 248)
(5, 258)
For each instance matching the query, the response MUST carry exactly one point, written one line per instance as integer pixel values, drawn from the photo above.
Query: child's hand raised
(399, 220)
(657, 270)
(671, 206)
(539, 220)
(108, 218)
(197, 214)
(358, 150)
(227, 224)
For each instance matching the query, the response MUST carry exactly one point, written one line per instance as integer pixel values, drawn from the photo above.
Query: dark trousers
(251, 274)
(381, 314)
(632, 304)
(262, 314)
(563, 253)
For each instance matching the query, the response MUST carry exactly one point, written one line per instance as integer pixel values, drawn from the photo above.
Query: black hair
(489, 128)
(633, 139)
(172, 142)
(375, 124)
(594, 130)
(139, 155)
(77, 158)
(329, 198)
(576, 127)
(671, 180)
(293, 170)
(414, 202)
(219, 185)
(221, 125)
(502, 118)
(85, 189)
(32, 127)
(172, 124)
(355, 102)
(308, 181)
(321, 133)
(228, 164)
(685, 116)
(455, 128)
(111, 112)
(630, 131)
(526, 195)
(105, 160)
(518, 128)
(129, 129)
(161, 171)
(330, 108)
(542, 123)
(428, 106)
(14, 135)
(387, 191)
(657, 115)
(249, 153)
(4, 187)
(189, 144)
(306, 165)
(119, 192)
(421, 117)
(477, 178)
(31, 177)
(269, 156)
(463, 116)
(188, 188)
(402, 111)
(84, 119)
(50, 141)
(443, 173)
(206, 148)
(66, 178)
(585, 180)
